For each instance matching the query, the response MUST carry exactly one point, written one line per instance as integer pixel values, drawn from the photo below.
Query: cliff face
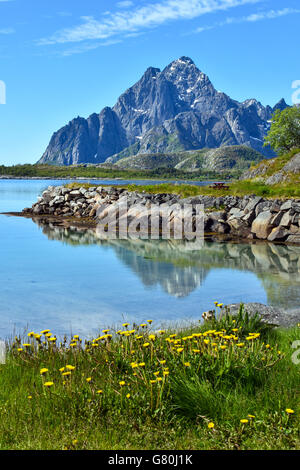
(170, 110)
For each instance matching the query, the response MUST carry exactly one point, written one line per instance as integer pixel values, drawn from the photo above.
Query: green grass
(237, 188)
(159, 389)
(51, 171)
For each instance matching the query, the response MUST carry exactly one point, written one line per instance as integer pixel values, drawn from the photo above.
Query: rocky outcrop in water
(248, 217)
(165, 111)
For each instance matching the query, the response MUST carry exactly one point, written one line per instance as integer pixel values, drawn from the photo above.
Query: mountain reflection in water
(180, 267)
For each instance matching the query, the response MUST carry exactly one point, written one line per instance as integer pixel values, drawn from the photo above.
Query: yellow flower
(187, 364)
(150, 321)
(166, 372)
(159, 379)
(26, 345)
(142, 364)
(240, 345)
(128, 395)
(99, 392)
(125, 325)
(31, 334)
(61, 369)
(122, 383)
(74, 442)
(152, 381)
(105, 331)
(289, 411)
(162, 362)
(20, 349)
(210, 425)
(43, 371)
(151, 337)
(29, 397)
(48, 384)
(89, 379)
(244, 421)
(251, 416)
(66, 373)
(145, 345)
(44, 332)
(179, 350)
(69, 367)
(134, 365)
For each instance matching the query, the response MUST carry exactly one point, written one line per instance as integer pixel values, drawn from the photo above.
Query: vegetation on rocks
(229, 383)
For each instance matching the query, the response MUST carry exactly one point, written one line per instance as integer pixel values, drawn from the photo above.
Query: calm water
(70, 281)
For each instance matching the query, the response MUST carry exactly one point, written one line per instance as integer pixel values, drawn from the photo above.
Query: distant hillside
(283, 169)
(221, 159)
(176, 109)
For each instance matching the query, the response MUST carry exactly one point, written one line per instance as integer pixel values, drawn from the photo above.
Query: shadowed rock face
(180, 267)
(174, 109)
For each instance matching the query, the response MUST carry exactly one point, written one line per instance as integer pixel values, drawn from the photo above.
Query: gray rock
(261, 225)
(272, 315)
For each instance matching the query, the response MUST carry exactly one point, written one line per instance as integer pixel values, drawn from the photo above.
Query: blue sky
(64, 58)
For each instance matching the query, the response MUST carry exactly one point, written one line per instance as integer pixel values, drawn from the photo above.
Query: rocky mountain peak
(177, 108)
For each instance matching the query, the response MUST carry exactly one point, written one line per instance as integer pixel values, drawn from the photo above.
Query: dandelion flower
(48, 384)
(290, 411)
(99, 392)
(211, 425)
(122, 383)
(150, 321)
(43, 371)
(244, 421)
(89, 379)
(69, 367)
(128, 395)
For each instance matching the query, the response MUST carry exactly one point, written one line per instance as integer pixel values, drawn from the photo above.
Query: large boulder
(261, 226)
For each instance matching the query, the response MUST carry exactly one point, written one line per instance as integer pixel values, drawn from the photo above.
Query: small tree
(284, 134)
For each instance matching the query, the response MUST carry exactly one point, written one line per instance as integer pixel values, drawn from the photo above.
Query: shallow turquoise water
(71, 281)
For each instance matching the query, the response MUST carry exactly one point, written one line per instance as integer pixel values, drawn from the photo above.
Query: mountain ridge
(177, 108)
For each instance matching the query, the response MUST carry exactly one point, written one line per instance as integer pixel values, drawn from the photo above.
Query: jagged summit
(177, 108)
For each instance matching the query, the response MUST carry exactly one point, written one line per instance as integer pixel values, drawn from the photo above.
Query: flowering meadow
(224, 384)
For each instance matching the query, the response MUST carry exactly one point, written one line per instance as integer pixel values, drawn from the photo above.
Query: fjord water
(71, 281)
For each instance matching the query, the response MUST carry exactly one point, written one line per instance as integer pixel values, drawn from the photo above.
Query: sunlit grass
(225, 384)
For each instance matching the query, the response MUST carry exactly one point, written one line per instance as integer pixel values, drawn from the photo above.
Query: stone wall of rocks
(248, 217)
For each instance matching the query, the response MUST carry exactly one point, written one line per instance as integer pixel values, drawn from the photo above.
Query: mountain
(166, 111)
(237, 157)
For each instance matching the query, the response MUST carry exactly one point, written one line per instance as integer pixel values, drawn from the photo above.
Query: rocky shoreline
(249, 217)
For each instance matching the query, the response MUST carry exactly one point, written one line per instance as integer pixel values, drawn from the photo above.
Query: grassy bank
(237, 188)
(50, 171)
(227, 384)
